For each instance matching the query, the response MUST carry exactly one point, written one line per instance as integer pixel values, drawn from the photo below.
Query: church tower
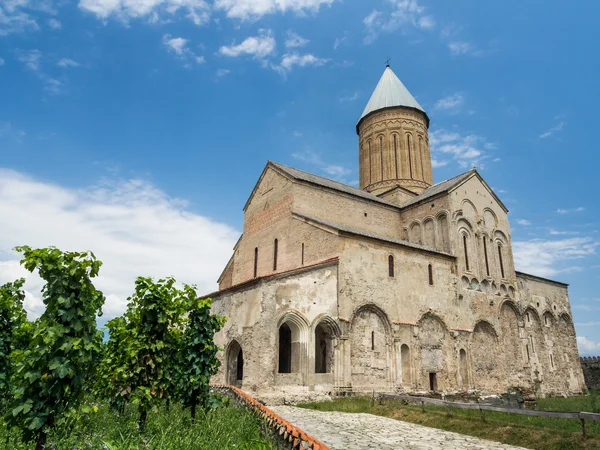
(393, 140)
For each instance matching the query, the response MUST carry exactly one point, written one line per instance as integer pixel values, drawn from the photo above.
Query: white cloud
(32, 60)
(436, 164)
(567, 211)
(124, 10)
(349, 98)
(15, 16)
(66, 62)
(407, 14)
(559, 127)
(336, 171)
(289, 60)
(294, 40)
(339, 41)
(8, 130)
(462, 48)
(562, 233)
(586, 346)
(550, 257)
(1, 62)
(451, 103)
(222, 72)
(258, 47)
(254, 9)
(468, 151)
(133, 227)
(179, 46)
(523, 222)
(54, 24)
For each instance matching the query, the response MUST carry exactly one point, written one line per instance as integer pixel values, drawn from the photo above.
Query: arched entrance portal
(235, 364)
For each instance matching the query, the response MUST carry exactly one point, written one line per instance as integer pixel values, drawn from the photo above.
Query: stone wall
(591, 371)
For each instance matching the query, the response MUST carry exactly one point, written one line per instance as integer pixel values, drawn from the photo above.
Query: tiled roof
(325, 182)
(439, 188)
(390, 92)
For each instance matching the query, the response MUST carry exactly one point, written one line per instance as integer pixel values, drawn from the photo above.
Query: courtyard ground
(509, 429)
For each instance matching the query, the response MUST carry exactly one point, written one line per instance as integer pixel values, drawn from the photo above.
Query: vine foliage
(51, 373)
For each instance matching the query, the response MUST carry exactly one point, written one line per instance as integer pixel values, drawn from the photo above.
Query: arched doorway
(285, 349)
(369, 349)
(323, 349)
(235, 364)
(292, 336)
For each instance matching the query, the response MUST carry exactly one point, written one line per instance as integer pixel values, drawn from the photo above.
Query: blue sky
(138, 128)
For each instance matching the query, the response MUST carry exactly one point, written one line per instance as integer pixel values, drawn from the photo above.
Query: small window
(551, 361)
(372, 340)
(487, 264)
(255, 262)
(527, 348)
(465, 245)
(500, 259)
(302, 261)
(391, 266)
(430, 270)
(275, 248)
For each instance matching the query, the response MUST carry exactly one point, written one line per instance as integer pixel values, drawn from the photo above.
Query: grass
(219, 428)
(526, 431)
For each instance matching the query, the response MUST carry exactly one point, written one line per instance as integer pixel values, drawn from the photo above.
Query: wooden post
(481, 414)
(583, 428)
(447, 409)
(422, 406)
(372, 402)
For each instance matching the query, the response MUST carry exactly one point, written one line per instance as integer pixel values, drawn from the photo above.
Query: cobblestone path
(349, 431)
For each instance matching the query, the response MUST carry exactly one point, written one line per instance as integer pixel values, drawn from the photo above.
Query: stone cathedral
(402, 285)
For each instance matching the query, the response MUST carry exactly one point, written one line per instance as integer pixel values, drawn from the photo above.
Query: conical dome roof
(390, 92)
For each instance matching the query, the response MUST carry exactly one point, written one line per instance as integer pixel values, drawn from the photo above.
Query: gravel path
(348, 431)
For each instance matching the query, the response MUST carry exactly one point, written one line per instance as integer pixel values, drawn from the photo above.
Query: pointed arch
(234, 358)
(292, 341)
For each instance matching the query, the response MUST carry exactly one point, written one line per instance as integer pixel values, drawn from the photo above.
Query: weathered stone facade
(591, 371)
(332, 289)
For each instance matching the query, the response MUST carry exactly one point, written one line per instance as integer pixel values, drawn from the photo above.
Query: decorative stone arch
(548, 318)
(371, 351)
(502, 254)
(490, 219)
(510, 322)
(463, 369)
(415, 234)
(468, 208)
(292, 341)
(484, 349)
(443, 231)
(433, 343)
(466, 283)
(467, 245)
(486, 287)
(429, 232)
(234, 357)
(474, 285)
(326, 332)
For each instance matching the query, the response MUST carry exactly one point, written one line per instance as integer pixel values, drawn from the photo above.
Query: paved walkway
(348, 431)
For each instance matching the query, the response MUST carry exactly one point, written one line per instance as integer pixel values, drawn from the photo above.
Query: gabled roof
(330, 184)
(439, 188)
(390, 92)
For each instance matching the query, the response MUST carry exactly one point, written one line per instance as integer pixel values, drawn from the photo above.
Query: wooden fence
(582, 416)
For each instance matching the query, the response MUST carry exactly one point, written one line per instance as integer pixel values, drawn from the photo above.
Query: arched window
(372, 340)
(255, 262)
(275, 245)
(409, 147)
(391, 266)
(500, 259)
(370, 164)
(405, 364)
(487, 264)
(302, 262)
(465, 246)
(396, 155)
(285, 349)
(430, 271)
(381, 154)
